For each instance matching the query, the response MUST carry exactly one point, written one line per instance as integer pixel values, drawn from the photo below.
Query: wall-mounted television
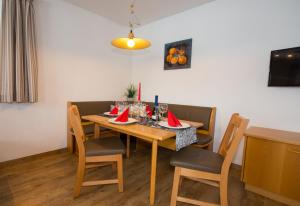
(285, 67)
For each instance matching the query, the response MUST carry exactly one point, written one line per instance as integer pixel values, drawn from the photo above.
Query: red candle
(139, 92)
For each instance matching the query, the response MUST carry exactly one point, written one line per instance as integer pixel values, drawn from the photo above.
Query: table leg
(96, 131)
(153, 172)
(128, 146)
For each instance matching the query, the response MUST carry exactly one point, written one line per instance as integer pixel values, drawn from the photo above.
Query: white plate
(165, 124)
(130, 121)
(109, 114)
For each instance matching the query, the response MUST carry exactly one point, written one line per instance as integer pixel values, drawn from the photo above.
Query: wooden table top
(137, 129)
(274, 135)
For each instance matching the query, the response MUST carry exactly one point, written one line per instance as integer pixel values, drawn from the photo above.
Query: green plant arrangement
(130, 92)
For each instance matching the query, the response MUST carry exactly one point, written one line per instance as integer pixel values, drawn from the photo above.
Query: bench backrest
(191, 113)
(206, 115)
(93, 107)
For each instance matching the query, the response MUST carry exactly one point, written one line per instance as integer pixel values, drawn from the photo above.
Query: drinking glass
(125, 105)
(131, 110)
(122, 106)
(112, 107)
(135, 110)
(163, 108)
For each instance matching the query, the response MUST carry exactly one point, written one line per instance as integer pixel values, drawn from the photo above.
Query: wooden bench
(206, 115)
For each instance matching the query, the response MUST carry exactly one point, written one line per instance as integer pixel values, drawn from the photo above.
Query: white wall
(76, 62)
(232, 40)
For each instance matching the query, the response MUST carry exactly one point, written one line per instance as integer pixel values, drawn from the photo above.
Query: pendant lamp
(131, 42)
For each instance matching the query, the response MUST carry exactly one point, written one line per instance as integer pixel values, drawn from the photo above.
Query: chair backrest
(231, 139)
(75, 123)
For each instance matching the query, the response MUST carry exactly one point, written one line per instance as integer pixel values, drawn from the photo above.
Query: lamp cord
(133, 19)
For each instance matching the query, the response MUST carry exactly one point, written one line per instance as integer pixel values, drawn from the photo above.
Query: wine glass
(135, 110)
(121, 106)
(163, 108)
(118, 105)
(131, 110)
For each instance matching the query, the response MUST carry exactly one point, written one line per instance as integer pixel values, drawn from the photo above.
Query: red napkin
(114, 110)
(123, 117)
(148, 110)
(172, 120)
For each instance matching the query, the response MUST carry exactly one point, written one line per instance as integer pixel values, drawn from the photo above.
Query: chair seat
(203, 139)
(104, 146)
(198, 159)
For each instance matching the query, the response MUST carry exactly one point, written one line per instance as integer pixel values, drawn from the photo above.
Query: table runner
(184, 137)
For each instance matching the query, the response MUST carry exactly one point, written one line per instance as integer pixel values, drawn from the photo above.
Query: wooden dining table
(143, 132)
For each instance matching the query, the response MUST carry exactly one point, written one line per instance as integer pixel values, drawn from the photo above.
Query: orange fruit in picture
(182, 59)
(174, 60)
(172, 51)
(169, 57)
(181, 51)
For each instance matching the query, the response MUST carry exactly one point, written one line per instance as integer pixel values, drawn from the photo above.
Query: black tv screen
(285, 67)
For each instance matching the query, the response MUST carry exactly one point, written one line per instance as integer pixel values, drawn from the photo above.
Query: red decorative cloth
(148, 110)
(123, 117)
(172, 120)
(115, 110)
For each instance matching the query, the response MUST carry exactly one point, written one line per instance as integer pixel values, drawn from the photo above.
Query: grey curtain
(18, 67)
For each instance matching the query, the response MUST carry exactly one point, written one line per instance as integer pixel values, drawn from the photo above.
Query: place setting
(123, 119)
(173, 123)
(113, 113)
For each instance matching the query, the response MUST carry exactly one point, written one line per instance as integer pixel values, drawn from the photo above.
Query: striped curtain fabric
(18, 67)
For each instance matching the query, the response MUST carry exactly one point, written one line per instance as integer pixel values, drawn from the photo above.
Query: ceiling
(146, 10)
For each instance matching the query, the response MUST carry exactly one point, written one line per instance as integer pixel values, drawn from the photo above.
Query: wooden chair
(90, 129)
(206, 166)
(94, 153)
(206, 137)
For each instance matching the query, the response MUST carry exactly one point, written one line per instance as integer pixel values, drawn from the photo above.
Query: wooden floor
(48, 180)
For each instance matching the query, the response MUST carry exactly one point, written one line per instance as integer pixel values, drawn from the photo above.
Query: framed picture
(178, 55)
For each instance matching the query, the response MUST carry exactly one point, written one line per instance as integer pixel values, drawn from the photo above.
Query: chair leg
(223, 191)
(175, 188)
(120, 172)
(96, 131)
(79, 177)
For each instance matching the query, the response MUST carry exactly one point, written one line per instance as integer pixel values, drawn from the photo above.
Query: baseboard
(32, 157)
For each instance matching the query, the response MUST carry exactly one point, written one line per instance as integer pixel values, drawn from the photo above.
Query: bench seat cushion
(198, 159)
(203, 139)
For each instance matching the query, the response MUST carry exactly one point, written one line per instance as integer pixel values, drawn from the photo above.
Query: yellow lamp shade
(131, 43)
